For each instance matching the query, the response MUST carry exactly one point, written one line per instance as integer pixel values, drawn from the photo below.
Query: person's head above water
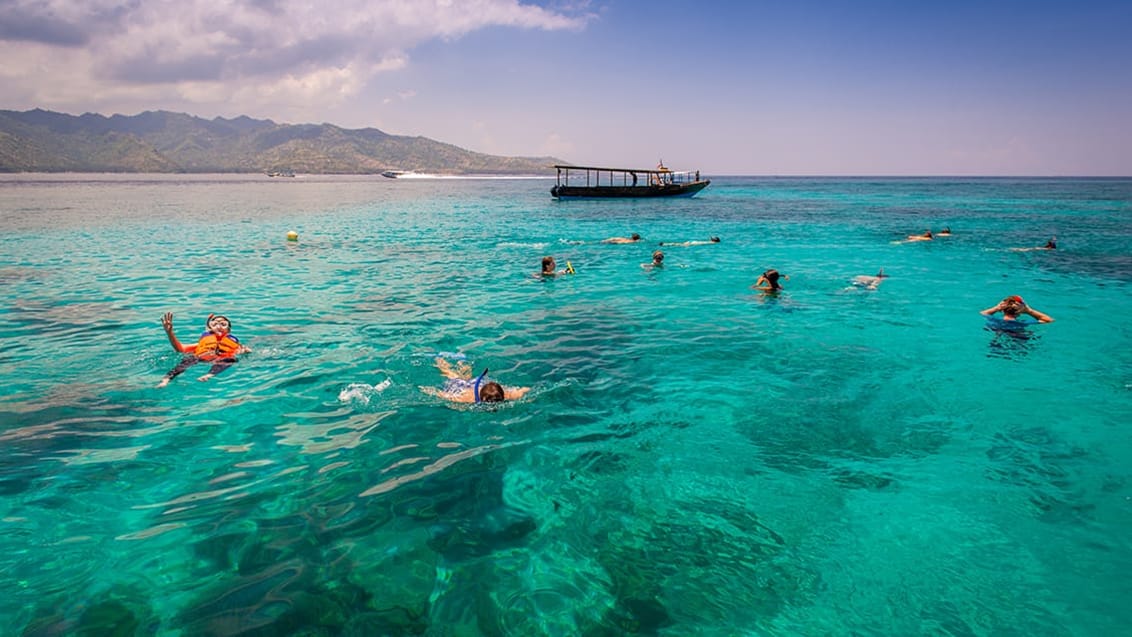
(218, 324)
(548, 265)
(491, 392)
(715, 239)
(657, 257)
(772, 277)
(1013, 305)
(1051, 244)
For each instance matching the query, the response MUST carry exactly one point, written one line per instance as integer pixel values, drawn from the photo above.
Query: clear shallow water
(693, 458)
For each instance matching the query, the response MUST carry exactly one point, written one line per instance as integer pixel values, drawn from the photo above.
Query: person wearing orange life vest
(216, 346)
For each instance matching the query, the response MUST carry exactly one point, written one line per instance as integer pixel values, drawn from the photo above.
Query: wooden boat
(593, 182)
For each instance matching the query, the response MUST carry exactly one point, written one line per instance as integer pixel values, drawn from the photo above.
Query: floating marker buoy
(292, 236)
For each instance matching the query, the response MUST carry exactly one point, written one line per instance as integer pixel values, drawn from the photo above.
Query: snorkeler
(216, 345)
(869, 282)
(630, 239)
(549, 268)
(927, 236)
(460, 387)
(657, 261)
(692, 243)
(1013, 307)
(1050, 245)
(768, 282)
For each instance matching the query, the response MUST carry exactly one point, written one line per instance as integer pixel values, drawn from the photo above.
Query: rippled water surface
(693, 457)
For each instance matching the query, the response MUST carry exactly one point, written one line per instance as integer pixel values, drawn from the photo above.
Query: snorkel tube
(476, 386)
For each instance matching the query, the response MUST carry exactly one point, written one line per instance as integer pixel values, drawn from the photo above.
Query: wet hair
(491, 392)
(1013, 305)
(1051, 244)
(772, 278)
(547, 265)
(715, 239)
(635, 236)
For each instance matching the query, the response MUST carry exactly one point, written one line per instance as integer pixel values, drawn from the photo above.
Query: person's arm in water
(462, 370)
(167, 323)
(432, 391)
(515, 393)
(991, 310)
(1041, 316)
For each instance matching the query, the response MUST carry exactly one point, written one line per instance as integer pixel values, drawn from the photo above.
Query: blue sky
(764, 88)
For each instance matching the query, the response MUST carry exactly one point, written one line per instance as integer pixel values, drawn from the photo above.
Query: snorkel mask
(212, 317)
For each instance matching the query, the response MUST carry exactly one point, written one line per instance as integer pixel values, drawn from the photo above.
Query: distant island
(166, 142)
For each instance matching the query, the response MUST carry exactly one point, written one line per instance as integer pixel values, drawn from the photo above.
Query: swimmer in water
(869, 282)
(216, 345)
(927, 236)
(1050, 245)
(1013, 307)
(460, 387)
(657, 261)
(549, 268)
(630, 239)
(691, 243)
(768, 282)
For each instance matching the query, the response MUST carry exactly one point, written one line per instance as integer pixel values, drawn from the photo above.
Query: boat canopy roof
(660, 170)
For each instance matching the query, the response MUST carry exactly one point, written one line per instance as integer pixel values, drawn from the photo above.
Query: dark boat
(592, 182)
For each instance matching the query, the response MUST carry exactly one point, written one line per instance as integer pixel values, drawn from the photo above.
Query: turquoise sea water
(693, 458)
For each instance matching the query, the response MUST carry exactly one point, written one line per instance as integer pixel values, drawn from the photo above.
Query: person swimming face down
(491, 392)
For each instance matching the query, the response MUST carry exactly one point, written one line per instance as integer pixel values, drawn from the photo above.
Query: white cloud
(223, 54)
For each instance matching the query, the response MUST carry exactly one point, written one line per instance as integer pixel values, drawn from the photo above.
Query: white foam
(361, 393)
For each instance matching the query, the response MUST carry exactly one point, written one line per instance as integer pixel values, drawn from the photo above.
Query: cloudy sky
(763, 87)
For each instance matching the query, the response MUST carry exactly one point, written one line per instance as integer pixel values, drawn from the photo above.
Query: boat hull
(617, 192)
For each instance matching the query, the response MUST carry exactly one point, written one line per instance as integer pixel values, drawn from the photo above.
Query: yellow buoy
(292, 236)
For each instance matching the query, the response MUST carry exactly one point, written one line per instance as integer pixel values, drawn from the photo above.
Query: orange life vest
(209, 347)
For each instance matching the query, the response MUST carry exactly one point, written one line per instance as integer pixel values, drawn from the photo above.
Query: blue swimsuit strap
(476, 387)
